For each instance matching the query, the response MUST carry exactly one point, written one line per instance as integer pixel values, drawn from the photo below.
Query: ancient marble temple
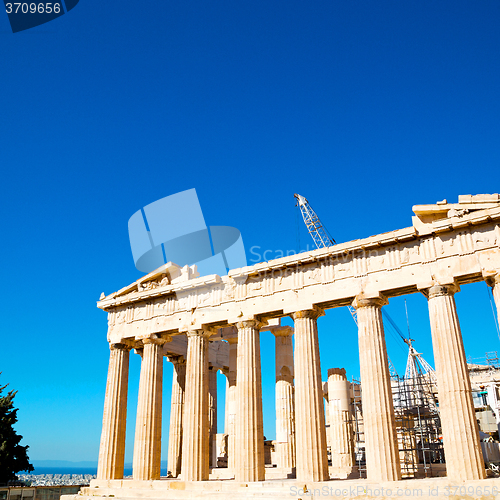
(206, 324)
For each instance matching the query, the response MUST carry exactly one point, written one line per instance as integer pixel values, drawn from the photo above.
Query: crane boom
(317, 231)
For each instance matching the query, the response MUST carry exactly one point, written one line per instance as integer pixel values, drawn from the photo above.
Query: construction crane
(415, 365)
(318, 232)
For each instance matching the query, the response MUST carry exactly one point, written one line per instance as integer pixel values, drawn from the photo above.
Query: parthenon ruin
(203, 324)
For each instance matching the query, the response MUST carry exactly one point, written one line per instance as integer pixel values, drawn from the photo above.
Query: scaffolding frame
(359, 433)
(418, 425)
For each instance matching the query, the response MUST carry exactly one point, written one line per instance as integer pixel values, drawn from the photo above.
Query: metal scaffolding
(418, 425)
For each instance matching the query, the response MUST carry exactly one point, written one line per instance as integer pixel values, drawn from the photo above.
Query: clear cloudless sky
(366, 108)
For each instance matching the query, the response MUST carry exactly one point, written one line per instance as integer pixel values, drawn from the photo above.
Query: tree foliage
(13, 456)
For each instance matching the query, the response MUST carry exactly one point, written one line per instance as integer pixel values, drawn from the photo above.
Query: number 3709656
(32, 8)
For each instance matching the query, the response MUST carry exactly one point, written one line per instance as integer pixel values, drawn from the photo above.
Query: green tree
(13, 457)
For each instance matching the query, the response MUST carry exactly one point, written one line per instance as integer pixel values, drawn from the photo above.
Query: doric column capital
(367, 301)
(119, 347)
(176, 360)
(156, 340)
(493, 279)
(250, 323)
(313, 313)
(440, 290)
(337, 371)
(282, 331)
(203, 332)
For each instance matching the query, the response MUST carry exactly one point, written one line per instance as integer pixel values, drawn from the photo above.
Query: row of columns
(301, 432)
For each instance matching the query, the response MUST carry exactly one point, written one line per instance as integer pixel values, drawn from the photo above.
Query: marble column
(195, 464)
(311, 457)
(176, 410)
(462, 448)
(249, 445)
(225, 371)
(327, 417)
(231, 402)
(285, 409)
(340, 417)
(212, 415)
(114, 422)
(147, 445)
(382, 456)
(494, 282)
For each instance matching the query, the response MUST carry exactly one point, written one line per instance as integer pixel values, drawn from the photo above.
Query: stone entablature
(448, 243)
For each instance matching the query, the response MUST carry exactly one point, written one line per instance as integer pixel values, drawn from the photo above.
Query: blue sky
(365, 108)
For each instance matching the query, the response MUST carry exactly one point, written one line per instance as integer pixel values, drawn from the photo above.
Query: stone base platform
(271, 473)
(343, 472)
(174, 489)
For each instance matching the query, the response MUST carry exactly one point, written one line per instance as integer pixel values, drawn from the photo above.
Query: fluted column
(147, 445)
(494, 282)
(382, 457)
(195, 465)
(249, 444)
(340, 416)
(231, 403)
(176, 410)
(212, 415)
(114, 421)
(285, 410)
(311, 456)
(464, 459)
